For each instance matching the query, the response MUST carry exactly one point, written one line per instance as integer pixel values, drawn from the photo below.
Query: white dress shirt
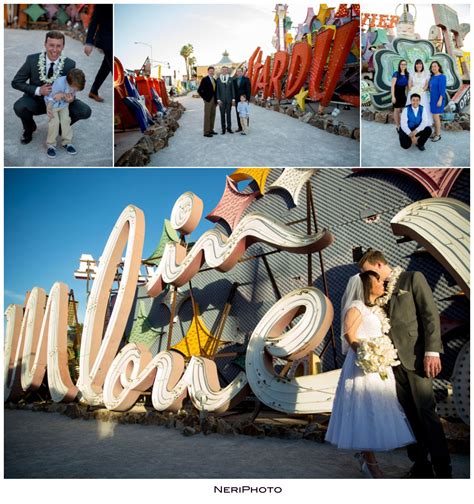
(48, 64)
(404, 120)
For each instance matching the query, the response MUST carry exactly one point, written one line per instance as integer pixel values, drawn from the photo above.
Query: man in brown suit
(415, 332)
(207, 91)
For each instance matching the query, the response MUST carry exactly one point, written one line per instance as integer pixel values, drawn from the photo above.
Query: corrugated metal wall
(343, 201)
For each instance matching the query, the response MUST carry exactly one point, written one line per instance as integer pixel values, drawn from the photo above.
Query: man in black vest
(414, 127)
(416, 334)
(241, 87)
(225, 99)
(35, 78)
(207, 91)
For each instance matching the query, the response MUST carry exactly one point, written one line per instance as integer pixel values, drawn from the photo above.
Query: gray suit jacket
(414, 320)
(27, 79)
(225, 92)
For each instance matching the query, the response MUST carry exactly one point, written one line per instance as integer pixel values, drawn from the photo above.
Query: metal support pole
(323, 270)
(308, 231)
(173, 311)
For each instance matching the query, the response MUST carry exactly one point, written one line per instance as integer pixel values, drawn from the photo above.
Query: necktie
(213, 84)
(51, 71)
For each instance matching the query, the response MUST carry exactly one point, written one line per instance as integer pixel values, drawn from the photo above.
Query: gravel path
(49, 445)
(275, 139)
(381, 147)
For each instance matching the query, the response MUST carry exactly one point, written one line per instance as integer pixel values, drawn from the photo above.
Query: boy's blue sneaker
(70, 149)
(51, 152)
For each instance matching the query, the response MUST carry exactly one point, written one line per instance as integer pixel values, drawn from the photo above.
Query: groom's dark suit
(225, 94)
(27, 79)
(415, 329)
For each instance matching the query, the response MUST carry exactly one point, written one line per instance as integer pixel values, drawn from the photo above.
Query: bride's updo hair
(366, 285)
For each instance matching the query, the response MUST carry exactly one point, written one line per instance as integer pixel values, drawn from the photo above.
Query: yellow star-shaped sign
(301, 98)
(323, 12)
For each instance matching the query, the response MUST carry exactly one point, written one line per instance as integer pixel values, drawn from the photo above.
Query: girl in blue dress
(400, 80)
(437, 97)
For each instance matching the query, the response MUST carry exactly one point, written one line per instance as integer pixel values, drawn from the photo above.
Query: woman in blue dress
(400, 80)
(437, 97)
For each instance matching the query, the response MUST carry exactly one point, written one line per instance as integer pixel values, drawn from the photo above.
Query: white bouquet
(376, 356)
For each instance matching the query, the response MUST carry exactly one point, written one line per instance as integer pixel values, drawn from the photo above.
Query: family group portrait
(58, 85)
(415, 82)
(181, 95)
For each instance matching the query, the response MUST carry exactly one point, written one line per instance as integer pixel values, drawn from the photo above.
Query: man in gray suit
(225, 99)
(415, 332)
(35, 78)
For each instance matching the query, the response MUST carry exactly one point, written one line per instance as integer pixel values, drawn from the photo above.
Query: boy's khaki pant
(244, 122)
(60, 117)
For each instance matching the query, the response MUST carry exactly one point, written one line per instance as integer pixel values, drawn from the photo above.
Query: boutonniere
(42, 68)
(401, 292)
(392, 282)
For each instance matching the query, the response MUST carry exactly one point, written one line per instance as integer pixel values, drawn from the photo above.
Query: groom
(414, 125)
(35, 78)
(415, 332)
(225, 99)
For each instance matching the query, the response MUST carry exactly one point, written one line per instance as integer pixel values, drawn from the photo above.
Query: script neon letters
(39, 341)
(323, 63)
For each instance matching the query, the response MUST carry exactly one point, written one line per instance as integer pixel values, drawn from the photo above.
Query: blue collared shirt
(60, 85)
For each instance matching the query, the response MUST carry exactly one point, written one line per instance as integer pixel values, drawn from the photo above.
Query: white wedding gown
(366, 414)
(419, 81)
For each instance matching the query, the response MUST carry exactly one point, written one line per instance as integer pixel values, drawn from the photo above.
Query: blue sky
(209, 28)
(52, 216)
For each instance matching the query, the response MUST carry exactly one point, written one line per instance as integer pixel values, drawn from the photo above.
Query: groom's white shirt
(48, 64)
(404, 120)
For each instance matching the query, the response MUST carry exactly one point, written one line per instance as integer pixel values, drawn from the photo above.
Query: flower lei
(42, 68)
(392, 281)
(382, 316)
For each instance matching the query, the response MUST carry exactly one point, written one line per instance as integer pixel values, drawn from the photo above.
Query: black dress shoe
(443, 471)
(28, 134)
(223, 132)
(209, 135)
(230, 131)
(26, 137)
(240, 129)
(421, 147)
(420, 471)
(214, 132)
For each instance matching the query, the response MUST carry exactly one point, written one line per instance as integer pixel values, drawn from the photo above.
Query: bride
(366, 415)
(419, 83)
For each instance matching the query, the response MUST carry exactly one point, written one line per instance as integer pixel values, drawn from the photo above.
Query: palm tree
(191, 64)
(186, 52)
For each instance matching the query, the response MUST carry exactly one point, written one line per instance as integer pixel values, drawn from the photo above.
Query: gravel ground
(381, 147)
(275, 139)
(49, 445)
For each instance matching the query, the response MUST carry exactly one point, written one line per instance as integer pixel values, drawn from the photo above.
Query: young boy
(57, 102)
(243, 108)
